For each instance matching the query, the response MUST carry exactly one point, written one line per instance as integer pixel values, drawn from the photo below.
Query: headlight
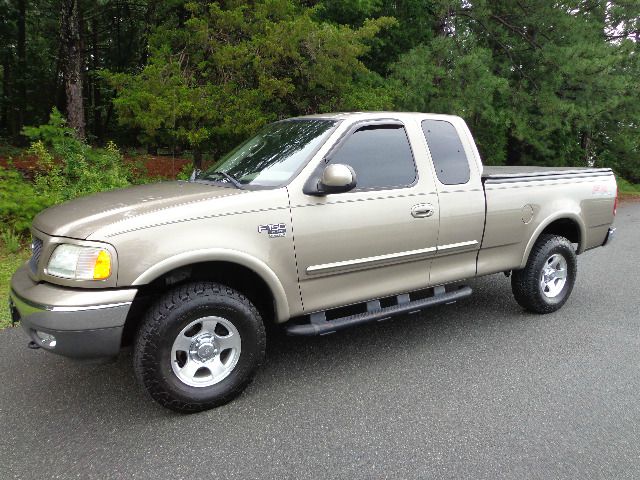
(80, 263)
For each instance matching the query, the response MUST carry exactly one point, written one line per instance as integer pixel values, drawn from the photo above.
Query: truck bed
(526, 173)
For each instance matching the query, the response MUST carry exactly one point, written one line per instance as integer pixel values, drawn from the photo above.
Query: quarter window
(380, 155)
(447, 152)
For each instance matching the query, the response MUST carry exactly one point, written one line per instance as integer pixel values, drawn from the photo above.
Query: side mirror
(336, 178)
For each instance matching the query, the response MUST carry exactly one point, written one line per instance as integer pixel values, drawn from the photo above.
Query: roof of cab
(374, 115)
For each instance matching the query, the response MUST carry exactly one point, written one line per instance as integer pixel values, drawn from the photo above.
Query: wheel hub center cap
(206, 350)
(203, 349)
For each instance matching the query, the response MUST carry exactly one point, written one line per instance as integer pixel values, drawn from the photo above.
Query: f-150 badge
(274, 229)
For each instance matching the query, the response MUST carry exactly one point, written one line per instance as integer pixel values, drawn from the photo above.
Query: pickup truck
(316, 223)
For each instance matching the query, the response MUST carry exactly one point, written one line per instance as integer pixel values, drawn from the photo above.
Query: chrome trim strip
(391, 256)
(360, 261)
(451, 246)
(37, 307)
(89, 307)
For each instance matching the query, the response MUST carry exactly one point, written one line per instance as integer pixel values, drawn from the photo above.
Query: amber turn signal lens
(102, 267)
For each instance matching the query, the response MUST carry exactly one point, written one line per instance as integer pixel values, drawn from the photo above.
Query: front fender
(224, 255)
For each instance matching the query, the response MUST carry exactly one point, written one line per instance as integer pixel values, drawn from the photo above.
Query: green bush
(71, 168)
(10, 239)
(19, 201)
(185, 172)
(67, 168)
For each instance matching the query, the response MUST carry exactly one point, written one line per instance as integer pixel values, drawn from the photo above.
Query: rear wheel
(199, 347)
(546, 282)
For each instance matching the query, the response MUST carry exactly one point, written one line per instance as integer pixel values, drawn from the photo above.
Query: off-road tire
(525, 283)
(167, 317)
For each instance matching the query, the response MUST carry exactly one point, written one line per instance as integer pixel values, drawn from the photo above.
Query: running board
(319, 325)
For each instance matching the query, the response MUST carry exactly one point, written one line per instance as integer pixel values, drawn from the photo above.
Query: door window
(380, 155)
(447, 152)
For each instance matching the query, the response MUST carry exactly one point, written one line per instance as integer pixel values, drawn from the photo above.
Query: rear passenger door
(368, 242)
(461, 197)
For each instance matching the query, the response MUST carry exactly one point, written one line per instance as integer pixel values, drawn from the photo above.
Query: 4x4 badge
(274, 229)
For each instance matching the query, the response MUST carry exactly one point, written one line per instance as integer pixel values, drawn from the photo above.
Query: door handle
(422, 210)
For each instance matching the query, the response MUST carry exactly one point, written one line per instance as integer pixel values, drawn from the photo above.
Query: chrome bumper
(610, 234)
(78, 323)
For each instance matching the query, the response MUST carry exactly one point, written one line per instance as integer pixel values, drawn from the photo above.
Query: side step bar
(320, 326)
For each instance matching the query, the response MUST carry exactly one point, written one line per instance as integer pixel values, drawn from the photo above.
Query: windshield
(272, 156)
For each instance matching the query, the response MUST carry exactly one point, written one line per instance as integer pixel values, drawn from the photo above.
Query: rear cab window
(447, 152)
(380, 155)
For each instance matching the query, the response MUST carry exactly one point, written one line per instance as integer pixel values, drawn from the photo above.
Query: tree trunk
(95, 90)
(148, 26)
(585, 143)
(72, 64)
(21, 78)
(60, 100)
(513, 151)
(197, 159)
(107, 118)
(6, 93)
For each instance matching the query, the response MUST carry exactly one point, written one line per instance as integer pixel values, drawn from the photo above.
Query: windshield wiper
(230, 178)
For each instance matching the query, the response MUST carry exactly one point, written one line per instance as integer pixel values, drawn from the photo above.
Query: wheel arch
(218, 262)
(565, 224)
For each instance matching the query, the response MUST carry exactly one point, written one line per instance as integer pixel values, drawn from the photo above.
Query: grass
(626, 188)
(9, 263)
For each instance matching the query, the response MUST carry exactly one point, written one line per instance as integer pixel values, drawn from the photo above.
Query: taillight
(615, 203)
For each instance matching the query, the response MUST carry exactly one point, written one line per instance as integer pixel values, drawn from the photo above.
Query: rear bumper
(610, 234)
(84, 323)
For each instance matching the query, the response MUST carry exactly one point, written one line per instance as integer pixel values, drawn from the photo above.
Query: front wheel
(545, 283)
(199, 346)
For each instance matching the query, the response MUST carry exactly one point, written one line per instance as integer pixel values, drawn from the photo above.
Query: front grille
(36, 249)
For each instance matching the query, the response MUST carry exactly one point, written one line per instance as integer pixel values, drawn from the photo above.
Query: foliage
(538, 83)
(19, 201)
(231, 69)
(10, 239)
(80, 170)
(542, 83)
(448, 77)
(66, 168)
(626, 187)
(9, 263)
(27, 79)
(185, 172)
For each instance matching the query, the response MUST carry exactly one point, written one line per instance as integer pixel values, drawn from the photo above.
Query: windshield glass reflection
(272, 156)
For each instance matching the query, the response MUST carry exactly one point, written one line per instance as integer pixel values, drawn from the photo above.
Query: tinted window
(380, 156)
(452, 166)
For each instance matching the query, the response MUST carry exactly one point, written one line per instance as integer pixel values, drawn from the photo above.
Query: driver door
(376, 240)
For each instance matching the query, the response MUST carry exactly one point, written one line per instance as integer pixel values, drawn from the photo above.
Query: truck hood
(83, 216)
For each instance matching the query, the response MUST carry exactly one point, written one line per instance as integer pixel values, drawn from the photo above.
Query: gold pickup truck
(317, 223)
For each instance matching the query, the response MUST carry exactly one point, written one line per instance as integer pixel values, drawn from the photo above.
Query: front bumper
(86, 323)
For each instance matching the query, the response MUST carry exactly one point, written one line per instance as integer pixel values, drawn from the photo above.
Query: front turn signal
(102, 267)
